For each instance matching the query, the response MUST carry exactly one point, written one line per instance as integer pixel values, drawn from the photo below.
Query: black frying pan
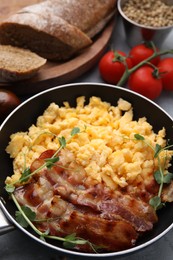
(26, 114)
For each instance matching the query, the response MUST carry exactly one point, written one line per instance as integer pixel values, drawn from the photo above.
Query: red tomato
(111, 67)
(143, 82)
(166, 69)
(141, 52)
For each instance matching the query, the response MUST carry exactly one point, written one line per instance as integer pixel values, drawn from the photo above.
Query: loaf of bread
(18, 64)
(57, 29)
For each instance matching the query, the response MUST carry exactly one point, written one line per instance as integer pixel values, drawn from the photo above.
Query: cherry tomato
(141, 52)
(166, 69)
(8, 101)
(111, 66)
(144, 82)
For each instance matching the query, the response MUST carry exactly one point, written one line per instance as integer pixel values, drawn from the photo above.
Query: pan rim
(60, 249)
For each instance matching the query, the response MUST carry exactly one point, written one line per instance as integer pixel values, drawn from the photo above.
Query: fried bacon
(110, 219)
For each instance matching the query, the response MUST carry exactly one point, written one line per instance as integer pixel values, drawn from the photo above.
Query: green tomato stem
(128, 72)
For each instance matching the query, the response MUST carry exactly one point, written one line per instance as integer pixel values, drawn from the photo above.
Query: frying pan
(26, 114)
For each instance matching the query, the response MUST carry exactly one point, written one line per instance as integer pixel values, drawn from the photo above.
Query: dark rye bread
(49, 36)
(18, 64)
(88, 16)
(57, 29)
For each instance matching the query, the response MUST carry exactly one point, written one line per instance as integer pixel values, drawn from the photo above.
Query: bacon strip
(110, 219)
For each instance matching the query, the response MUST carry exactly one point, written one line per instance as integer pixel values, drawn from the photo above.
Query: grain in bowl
(105, 172)
(149, 12)
(145, 20)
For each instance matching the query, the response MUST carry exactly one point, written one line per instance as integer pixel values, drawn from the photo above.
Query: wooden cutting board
(54, 73)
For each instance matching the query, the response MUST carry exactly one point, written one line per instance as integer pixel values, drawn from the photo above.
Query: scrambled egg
(105, 147)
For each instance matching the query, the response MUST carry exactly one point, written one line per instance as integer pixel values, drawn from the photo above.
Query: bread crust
(83, 14)
(57, 29)
(62, 39)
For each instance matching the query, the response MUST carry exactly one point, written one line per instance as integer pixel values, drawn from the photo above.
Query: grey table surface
(16, 245)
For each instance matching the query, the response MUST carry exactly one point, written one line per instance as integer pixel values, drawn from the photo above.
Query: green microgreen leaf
(31, 215)
(139, 137)
(20, 219)
(155, 202)
(62, 141)
(10, 188)
(167, 178)
(71, 240)
(68, 244)
(50, 162)
(158, 148)
(158, 177)
(28, 213)
(75, 131)
(25, 175)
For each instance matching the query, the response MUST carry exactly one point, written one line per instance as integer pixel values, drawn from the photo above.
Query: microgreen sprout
(10, 188)
(20, 216)
(49, 162)
(160, 176)
(25, 217)
(25, 175)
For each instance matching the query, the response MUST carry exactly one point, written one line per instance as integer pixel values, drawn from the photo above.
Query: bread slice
(57, 29)
(18, 64)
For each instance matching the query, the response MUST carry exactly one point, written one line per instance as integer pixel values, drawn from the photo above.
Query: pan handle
(5, 225)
